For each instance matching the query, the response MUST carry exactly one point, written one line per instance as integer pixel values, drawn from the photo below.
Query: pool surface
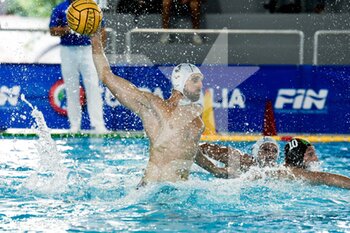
(89, 184)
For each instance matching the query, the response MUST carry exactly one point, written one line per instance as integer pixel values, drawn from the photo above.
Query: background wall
(306, 99)
(242, 49)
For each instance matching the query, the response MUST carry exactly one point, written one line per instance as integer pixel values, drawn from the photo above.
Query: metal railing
(325, 32)
(216, 31)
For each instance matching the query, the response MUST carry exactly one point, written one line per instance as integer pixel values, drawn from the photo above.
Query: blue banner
(306, 99)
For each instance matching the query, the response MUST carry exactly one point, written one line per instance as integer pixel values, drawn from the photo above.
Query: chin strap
(185, 101)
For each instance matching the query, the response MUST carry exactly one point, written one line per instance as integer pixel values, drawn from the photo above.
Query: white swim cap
(181, 73)
(265, 139)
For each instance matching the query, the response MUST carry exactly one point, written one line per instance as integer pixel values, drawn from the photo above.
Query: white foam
(51, 174)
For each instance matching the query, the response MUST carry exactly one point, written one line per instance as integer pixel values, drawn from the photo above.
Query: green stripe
(74, 135)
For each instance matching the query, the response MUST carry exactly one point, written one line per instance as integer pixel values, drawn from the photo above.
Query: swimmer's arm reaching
(247, 161)
(235, 161)
(126, 93)
(323, 178)
(207, 165)
(219, 153)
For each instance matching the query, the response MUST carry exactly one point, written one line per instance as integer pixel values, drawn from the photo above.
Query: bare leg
(166, 13)
(195, 6)
(271, 6)
(165, 37)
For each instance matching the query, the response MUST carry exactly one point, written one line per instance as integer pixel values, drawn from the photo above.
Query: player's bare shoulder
(155, 113)
(153, 98)
(156, 103)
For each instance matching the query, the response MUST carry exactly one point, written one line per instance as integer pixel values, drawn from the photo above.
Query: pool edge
(63, 133)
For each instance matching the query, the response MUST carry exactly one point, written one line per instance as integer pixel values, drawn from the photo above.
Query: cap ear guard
(181, 74)
(294, 152)
(265, 139)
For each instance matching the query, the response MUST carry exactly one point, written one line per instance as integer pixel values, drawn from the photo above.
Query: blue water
(89, 185)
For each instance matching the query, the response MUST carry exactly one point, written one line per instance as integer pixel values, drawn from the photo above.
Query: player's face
(310, 156)
(193, 87)
(267, 155)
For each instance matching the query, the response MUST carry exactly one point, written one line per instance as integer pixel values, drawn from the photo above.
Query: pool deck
(236, 137)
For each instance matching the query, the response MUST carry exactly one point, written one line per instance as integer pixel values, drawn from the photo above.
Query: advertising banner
(305, 99)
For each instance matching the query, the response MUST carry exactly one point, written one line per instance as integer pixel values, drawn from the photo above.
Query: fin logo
(304, 99)
(10, 95)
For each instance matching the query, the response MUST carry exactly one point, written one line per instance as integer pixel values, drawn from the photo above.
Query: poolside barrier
(310, 100)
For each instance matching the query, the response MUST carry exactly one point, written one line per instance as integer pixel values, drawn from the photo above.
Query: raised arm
(126, 93)
(323, 178)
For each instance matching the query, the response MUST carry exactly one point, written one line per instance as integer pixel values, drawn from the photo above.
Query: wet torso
(174, 133)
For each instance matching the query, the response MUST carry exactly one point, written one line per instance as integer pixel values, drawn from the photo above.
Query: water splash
(51, 174)
(315, 166)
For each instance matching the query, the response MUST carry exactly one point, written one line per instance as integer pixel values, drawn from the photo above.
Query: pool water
(89, 184)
